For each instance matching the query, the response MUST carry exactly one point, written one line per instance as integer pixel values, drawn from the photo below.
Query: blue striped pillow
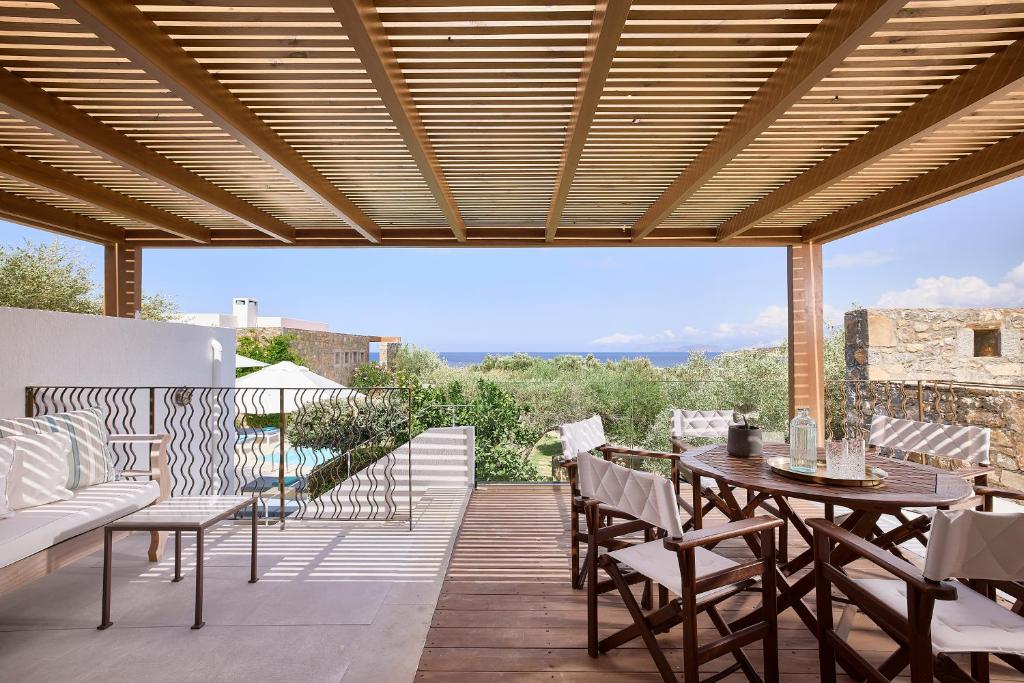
(89, 460)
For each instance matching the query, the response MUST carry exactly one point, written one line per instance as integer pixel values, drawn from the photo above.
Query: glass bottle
(803, 442)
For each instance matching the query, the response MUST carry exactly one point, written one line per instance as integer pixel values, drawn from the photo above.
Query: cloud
(624, 339)
(768, 326)
(860, 259)
(948, 291)
(833, 316)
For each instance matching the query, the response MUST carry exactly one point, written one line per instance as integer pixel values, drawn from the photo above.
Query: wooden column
(122, 280)
(806, 333)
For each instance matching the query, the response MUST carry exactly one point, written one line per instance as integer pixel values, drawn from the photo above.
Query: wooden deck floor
(507, 613)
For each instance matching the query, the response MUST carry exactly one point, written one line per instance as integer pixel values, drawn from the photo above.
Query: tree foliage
(48, 277)
(414, 361)
(54, 277)
(269, 350)
(633, 398)
(351, 435)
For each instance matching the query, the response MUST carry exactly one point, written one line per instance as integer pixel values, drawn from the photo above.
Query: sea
(659, 359)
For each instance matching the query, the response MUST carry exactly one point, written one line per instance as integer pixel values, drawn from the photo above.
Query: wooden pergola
(512, 123)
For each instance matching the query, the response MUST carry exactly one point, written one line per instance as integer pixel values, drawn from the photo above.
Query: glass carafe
(803, 442)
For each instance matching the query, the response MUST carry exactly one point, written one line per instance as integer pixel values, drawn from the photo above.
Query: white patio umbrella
(261, 393)
(246, 362)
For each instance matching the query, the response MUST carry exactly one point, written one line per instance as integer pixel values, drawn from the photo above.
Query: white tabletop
(184, 510)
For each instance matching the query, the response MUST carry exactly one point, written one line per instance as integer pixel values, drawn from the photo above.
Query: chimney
(245, 311)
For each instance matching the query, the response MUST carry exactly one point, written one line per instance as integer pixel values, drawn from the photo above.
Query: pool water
(294, 457)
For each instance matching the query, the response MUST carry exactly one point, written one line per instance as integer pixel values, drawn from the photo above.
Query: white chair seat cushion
(655, 561)
(26, 532)
(971, 623)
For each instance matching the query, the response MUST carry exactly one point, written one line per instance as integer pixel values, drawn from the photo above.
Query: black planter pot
(744, 441)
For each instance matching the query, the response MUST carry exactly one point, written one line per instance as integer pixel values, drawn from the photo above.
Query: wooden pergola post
(806, 333)
(122, 280)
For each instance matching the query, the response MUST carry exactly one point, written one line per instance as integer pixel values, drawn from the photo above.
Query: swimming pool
(252, 433)
(294, 457)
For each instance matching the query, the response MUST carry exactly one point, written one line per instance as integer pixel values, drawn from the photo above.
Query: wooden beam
(451, 243)
(124, 27)
(841, 32)
(38, 215)
(989, 166)
(48, 177)
(122, 280)
(32, 104)
(989, 80)
(605, 31)
(806, 333)
(369, 40)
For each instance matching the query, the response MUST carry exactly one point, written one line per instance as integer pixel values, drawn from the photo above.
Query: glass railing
(517, 432)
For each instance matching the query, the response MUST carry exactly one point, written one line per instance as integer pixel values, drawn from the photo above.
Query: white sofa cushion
(89, 461)
(6, 462)
(26, 532)
(39, 470)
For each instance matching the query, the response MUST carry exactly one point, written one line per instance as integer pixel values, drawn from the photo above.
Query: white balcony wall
(41, 348)
(44, 348)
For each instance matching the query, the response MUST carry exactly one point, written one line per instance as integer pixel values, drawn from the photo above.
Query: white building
(245, 314)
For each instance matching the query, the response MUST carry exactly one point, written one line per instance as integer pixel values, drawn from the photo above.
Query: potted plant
(745, 439)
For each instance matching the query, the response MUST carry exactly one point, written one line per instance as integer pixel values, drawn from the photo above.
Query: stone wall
(892, 354)
(389, 353)
(333, 355)
(934, 344)
(1001, 409)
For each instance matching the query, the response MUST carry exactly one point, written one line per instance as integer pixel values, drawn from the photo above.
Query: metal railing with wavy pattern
(336, 454)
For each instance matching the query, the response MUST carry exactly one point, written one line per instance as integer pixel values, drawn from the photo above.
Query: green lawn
(543, 451)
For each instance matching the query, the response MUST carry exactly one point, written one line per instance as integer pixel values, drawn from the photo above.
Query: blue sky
(962, 253)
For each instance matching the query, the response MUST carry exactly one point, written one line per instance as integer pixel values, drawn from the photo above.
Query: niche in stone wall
(987, 343)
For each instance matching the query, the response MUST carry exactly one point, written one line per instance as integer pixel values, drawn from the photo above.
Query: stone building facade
(953, 365)
(954, 344)
(333, 355)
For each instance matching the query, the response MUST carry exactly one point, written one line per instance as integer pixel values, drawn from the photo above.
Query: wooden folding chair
(953, 447)
(688, 425)
(586, 436)
(680, 564)
(928, 615)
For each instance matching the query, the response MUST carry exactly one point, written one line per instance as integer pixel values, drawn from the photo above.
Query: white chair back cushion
(581, 437)
(712, 424)
(644, 495)
(968, 544)
(39, 469)
(89, 461)
(960, 442)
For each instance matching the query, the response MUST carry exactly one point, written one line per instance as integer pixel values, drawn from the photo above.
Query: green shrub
(270, 350)
(505, 462)
(359, 432)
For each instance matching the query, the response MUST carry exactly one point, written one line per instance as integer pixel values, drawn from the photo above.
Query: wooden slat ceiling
(501, 122)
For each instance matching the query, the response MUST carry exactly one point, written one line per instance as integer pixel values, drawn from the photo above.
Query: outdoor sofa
(58, 489)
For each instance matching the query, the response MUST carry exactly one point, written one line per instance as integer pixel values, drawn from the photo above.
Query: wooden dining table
(908, 485)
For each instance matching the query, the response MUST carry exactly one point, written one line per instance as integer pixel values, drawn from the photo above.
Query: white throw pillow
(39, 472)
(89, 459)
(6, 462)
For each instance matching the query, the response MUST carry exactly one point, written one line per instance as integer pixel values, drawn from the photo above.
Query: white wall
(291, 323)
(43, 348)
(208, 319)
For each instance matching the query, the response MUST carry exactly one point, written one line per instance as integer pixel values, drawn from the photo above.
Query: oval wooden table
(908, 485)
